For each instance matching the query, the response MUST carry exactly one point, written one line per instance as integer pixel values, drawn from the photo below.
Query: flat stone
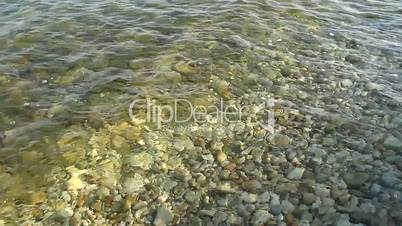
(389, 179)
(133, 184)
(355, 179)
(182, 143)
(296, 174)
(279, 140)
(142, 160)
(342, 220)
(252, 186)
(392, 142)
(191, 196)
(371, 86)
(287, 207)
(163, 216)
(260, 217)
(347, 83)
(221, 156)
(308, 198)
(264, 197)
(249, 198)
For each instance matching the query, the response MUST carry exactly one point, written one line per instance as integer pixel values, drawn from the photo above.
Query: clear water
(77, 65)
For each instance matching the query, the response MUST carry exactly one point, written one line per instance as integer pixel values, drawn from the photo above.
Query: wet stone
(141, 160)
(295, 174)
(163, 216)
(182, 143)
(280, 140)
(347, 83)
(389, 179)
(392, 142)
(260, 217)
(221, 156)
(252, 186)
(308, 198)
(133, 184)
(356, 180)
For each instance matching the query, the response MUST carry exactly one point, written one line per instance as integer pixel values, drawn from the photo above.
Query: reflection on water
(70, 153)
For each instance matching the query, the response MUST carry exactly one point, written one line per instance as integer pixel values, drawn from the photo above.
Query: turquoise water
(70, 69)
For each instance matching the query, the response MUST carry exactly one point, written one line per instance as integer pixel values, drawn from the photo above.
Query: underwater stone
(172, 77)
(221, 156)
(296, 174)
(163, 216)
(221, 87)
(133, 184)
(347, 83)
(279, 140)
(308, 198)
(75, 183)
(287, 206)
(353, 59)
(389, 179)
(240, 42)
(185, 68)
(355, 180)
(392, 142)
(374, 86)
(120, 143)
(182, 143)
(248, 197)
(142, 160)
(260, 217)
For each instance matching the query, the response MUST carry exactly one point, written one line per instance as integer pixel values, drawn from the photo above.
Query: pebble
(264, 197)
(287, 206)
(356, 179)
(342, 220)
(260, 217)
(296, 174)
(248, 197)
(375, 189)
(163, 216)
(133, 184)
(392, 142)
(389, 179)
(252, 186)
(308, 198)
(142, 160)
(347, 83)
(221, 156)
(191, 196)
(182, 143)
(279, 140)
(371, 86)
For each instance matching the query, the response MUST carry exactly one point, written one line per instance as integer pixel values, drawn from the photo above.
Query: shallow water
(69, 71)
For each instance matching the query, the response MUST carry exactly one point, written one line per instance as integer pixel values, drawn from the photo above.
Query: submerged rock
(261, 217)
(222, 88)
(221, 157)
(185, 67)
(389, 179)
(279, 140)
(142, 160)
(182, 143)
(296, 174)
(133, 184)
(392, 142)
(75, 182)
(163, 216)
(356, 179)
(371, 86)
(347, 83)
